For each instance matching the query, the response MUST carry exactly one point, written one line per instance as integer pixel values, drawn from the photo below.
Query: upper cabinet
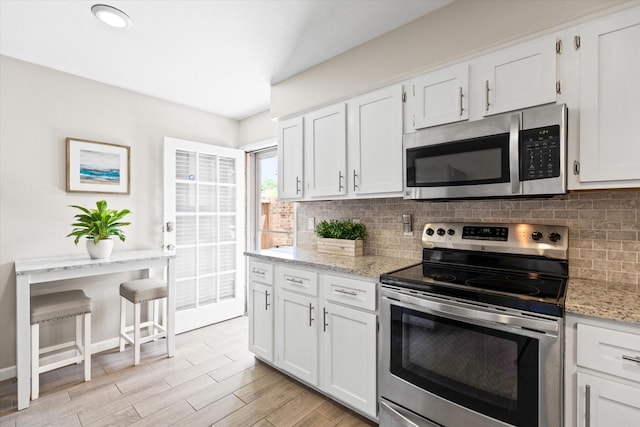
(517, 77)
(290, 159)
(325, 140)
(441, 96)
(609, 148)
(375, 143)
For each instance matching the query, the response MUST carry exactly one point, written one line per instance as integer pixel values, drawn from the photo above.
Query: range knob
(440, 231)
(451, 232)
(554, 237)
(430, 231)
(536, 235)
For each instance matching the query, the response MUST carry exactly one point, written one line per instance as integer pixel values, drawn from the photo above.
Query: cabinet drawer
(260, 272)
(609, 351)
(353, 292)
(296, 280)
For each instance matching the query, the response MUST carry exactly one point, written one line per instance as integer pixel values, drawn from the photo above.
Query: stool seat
(59, 305)
(142, 290)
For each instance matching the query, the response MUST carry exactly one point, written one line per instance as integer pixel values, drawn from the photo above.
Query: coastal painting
(97, 167)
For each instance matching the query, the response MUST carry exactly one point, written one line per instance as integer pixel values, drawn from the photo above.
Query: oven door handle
(407, 418)
(477, 313)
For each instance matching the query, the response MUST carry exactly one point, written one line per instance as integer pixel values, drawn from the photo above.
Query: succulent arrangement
(345, 229)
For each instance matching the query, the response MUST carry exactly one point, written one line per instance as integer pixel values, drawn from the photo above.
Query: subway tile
(622, 235)
(622, 256)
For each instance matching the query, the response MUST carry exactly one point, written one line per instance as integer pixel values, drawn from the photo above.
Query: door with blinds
(204, 222)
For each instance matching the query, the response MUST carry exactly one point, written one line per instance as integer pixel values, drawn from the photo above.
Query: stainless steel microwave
(516, 154)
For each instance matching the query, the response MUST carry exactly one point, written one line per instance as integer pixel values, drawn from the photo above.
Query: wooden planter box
(341, 246)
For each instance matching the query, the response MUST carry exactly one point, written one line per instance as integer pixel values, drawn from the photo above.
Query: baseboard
(96, 347)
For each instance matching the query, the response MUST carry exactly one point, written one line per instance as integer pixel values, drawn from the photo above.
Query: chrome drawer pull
(311, 319)
(266, 300)
(342, 291)
(631, 358)
(260, 272)
(296, 281)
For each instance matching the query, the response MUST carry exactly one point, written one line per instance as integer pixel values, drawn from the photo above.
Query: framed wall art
(97, 167)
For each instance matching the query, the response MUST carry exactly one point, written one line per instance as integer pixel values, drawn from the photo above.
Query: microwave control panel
(540, 153)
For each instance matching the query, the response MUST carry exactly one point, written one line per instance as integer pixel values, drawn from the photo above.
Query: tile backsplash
(604, 226)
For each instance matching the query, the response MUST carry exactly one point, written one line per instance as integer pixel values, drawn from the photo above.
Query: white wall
(39, 108)
(463, 28)
(257, 128)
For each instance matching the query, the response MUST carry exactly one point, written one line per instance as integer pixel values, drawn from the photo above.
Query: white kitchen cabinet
(325, 141)
(375, 143)
(610, 101)
(260, 309)
(604, 403)
(441, 96)
(517, 77)
(291, 159)
(296, 323)
(602, 373)
(348, 341)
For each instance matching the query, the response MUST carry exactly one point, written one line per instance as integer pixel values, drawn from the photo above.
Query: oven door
(457, 363)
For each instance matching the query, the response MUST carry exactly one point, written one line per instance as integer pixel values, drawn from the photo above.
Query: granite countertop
(605, 300)
(368, 265)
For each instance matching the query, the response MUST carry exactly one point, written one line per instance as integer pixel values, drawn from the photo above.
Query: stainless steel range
(473, 335)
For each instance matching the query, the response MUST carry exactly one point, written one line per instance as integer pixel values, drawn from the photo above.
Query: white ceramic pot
(99, 250)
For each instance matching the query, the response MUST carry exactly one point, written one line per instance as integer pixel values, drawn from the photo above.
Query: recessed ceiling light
(111, 16)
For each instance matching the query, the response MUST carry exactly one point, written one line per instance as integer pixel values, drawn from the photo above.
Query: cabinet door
(518, 77)
(290, 159)
(297, 336)
(603, 403)
(375, 142)
(610, 98)
(260, 308)
(441, 96)
(349, 356)
(326, 151)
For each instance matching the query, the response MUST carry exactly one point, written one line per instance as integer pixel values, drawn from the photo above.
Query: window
(273, 220)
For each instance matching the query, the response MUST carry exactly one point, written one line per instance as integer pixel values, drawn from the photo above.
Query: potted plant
(98, 225)
(341, 237)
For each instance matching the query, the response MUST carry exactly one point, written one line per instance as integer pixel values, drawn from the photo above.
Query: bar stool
(137, 292)
(54, 306)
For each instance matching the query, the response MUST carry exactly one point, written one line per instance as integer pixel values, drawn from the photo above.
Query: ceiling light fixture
(111, 16)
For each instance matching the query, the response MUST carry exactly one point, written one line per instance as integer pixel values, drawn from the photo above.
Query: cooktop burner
(511, 265)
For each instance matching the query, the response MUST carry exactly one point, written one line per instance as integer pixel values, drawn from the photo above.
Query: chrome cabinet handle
(266, 300)
(355, 175)
(342, 291)
(587, 406)
(260, 272)
(340, 186)
(461, 95)
(324, 320)
(296, 281)
(311, 319)
(631, 358)
(298, 182)
(486, 95)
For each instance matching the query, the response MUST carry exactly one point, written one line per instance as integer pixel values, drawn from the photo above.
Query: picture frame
(98, 167)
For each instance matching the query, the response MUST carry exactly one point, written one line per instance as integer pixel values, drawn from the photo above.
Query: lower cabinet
(296, 335)
(324, 332)
(602, 373)
(349, 356)
(603, 403)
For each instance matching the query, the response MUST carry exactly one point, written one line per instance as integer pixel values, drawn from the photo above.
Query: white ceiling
(213, 55)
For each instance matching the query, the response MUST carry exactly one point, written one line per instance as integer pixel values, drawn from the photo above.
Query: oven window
(479, 161)
(486, 370)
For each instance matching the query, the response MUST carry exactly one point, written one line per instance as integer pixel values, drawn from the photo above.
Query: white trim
(260, 145)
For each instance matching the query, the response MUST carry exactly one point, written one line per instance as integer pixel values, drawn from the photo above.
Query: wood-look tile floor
(212, 380)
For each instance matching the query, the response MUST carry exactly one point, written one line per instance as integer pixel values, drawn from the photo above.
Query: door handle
(298, 182)
(486, 95)
(355, 186)
(461, 108)
(324, 320)
(587, 406)
(340, 186)
(266, 300)
(311, 319)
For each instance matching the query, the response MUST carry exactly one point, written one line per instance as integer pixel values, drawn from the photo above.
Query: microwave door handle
(514, 153)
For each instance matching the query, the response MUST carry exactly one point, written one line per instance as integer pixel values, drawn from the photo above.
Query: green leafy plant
(346, 229)
(98, 224)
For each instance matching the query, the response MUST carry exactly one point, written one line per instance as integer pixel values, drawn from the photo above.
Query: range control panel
(527, 239)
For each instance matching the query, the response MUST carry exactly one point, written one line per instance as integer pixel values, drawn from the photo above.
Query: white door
(260, 309)
(204, 222)
(290, 159)
(442, 96)
(607, 403)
